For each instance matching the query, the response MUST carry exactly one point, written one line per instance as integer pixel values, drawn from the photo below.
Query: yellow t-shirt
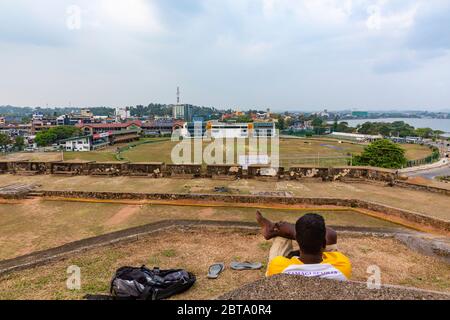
(335, 266)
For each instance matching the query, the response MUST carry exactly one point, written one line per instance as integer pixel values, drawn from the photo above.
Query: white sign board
(247, 160)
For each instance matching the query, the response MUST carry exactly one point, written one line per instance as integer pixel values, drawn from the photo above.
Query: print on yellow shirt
(335, 266)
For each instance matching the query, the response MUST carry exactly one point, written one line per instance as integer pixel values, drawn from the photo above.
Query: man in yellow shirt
(318, 255)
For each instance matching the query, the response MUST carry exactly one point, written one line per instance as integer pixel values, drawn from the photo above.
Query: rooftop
(109, 125)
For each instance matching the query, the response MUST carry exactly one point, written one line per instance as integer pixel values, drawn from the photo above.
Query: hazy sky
(283, 54)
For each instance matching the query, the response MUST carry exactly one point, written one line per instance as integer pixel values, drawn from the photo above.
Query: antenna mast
(178, 95)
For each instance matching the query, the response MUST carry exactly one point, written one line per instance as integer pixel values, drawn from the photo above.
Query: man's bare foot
(267, 226)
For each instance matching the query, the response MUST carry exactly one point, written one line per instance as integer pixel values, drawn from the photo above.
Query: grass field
(398, 264)
(432, 204)
(323, 152)
(293, 151)
(63, 221)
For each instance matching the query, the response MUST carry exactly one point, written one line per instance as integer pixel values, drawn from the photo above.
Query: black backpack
(145, 284)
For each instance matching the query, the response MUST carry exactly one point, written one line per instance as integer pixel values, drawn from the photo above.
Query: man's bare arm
(287, 230)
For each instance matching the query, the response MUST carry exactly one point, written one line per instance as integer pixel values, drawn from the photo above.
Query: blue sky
(282, 54)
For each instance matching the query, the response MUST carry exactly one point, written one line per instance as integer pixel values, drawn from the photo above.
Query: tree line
(387, 129)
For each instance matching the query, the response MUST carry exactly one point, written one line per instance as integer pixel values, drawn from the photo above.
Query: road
(432, 173)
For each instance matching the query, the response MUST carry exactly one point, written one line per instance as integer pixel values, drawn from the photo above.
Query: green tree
(424, 132)
(317, 122)
(397, 128)
(335, 125)
(19, 142)
(438, 133)
(52, 135)
(343, 127)
(4, 140)
(383, 154)
(281, 125)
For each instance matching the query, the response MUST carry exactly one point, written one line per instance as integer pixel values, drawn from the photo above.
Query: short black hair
(311, 233)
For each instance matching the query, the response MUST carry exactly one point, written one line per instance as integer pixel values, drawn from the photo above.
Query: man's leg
(281, 247)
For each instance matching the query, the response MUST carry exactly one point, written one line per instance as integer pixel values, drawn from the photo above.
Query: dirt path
(122, 215)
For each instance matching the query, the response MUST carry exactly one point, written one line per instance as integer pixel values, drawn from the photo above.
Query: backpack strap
(147, 293)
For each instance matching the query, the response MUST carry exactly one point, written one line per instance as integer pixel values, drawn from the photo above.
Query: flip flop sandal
(215, 270)
(246, 265)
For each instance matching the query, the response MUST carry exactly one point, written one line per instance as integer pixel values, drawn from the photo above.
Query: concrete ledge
(288, 287)
(421, 187)
(108, 168)
(158, 169)
(150, 169)
(128, 235)
(70, 168)
(233, 171)
(186, 170)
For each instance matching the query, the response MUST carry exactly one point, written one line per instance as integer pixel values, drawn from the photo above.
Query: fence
(435, 156)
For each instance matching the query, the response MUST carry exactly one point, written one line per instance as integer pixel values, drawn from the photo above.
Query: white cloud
(139, 15)
(314, 11)
(381, 18)
(242, 52)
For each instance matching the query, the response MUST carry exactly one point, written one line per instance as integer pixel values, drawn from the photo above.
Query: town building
(104, 134)
(301, 125)
(86, 113)
(220, 130)
(93, 128)
(14, 130)
(160, 127)
(182, 112)
(410, 140)
(123, 113)
(77, 144)
(360, 114)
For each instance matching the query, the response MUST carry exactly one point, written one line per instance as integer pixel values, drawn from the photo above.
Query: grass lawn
(416, 151)
(196, 249)
(109, 153)
(298, 151)
(292, 152)
(99, 156)
(61, 222)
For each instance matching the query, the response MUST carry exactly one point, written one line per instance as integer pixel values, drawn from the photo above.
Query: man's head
(311, 233)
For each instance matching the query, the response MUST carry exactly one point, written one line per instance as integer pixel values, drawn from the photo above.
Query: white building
(61, 120)
(221, 130)
(233, 130)
(86, 113)
(79, 144)
(182, 112)
(38, 116)
(356, 136)
(123, 113)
